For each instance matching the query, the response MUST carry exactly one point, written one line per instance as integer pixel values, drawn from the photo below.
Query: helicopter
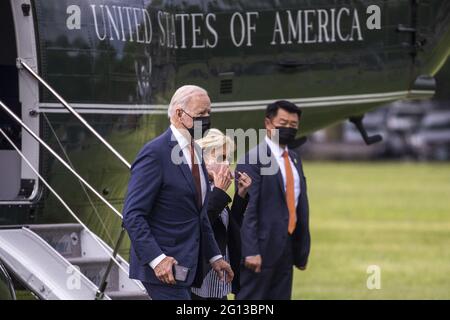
(93, 76)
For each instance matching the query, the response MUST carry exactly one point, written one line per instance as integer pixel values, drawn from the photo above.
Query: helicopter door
(10, 162)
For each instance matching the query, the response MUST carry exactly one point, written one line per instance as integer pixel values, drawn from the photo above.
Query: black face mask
(286, 135)
(205, 122)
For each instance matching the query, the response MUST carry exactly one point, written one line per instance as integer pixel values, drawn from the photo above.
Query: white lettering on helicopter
(317, 26)
(122, 23)
(198, 30)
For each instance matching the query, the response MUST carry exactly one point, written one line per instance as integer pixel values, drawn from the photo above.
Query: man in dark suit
(165, 207)
(275, 231)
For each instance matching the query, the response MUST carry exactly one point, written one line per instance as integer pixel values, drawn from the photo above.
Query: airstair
(65, 261)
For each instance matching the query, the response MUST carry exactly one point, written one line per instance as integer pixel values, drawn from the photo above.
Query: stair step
(88, 260)
(40, 269)
(94, 268)
(57, 227)
(64, 238)
(82, 250)
(127, 295)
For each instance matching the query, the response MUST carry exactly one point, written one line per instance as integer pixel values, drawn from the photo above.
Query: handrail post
(103, 283)
(58, 197)
(64, 163)
(20, 63)
(102, 287)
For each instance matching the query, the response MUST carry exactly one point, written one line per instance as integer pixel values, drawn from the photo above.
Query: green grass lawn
(393, 215)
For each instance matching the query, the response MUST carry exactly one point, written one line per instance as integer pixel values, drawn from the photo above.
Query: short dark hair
(272, 108)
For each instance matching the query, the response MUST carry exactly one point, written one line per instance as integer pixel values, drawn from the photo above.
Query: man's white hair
(182, 96)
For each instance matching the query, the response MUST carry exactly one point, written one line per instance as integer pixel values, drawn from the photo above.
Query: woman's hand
(244, 182)
(222, 178)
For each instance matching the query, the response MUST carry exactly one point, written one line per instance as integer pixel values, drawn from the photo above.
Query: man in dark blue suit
(275, 231)
(165, 207)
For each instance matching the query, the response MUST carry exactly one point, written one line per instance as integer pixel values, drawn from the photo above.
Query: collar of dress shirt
(181, 139)
(276, 149)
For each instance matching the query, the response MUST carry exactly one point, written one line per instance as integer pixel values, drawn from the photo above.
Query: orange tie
(290, 194)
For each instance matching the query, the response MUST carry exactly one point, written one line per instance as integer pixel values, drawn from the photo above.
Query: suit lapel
(278, 175)
(199, 151)
(294, 157)
(281, 182)
(208, 189)
(184, 167)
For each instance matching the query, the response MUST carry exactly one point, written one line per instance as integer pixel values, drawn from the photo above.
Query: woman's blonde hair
(215, 140)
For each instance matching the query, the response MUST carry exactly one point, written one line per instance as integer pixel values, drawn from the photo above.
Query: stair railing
(22, 65)
(65, 205)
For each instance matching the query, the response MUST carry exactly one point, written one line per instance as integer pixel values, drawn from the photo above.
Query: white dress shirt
(186, 148)
(277, 152)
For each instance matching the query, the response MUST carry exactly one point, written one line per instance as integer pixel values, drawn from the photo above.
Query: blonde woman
(225, 221)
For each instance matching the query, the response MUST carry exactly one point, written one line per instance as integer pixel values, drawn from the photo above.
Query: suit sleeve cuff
(215, 258)
(157, 260)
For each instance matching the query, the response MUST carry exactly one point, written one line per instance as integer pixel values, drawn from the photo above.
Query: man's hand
(302, 268)
(254, 263)
(219, 266)
(163, 270)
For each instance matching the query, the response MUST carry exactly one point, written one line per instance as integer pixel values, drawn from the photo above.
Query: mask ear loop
(272, 131)
(187, 114)
(189, 117)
